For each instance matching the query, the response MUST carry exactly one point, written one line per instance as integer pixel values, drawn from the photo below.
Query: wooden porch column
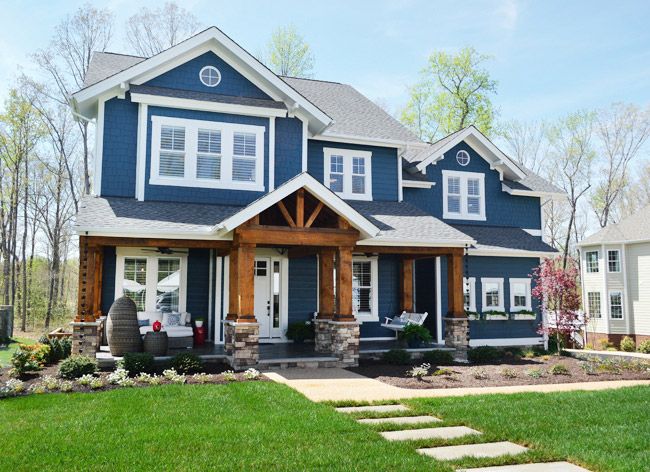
(326, 284)
(98, 276)
(407, 284)
(83, 299)
(242, 281)
(455, 284)
(344, 284)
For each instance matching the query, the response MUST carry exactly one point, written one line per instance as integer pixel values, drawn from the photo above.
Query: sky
(549, 57)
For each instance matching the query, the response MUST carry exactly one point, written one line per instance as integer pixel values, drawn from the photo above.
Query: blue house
(229, 197)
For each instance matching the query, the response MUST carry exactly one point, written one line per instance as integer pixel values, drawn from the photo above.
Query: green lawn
(7, 351)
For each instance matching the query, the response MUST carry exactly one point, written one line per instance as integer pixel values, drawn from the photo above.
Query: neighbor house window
(593, 304)
(463, 195)
(616, 305)
(365, 294)
(520, 296)
(492, 294)
(469, 293)
(614, 261)
(348, 173)
(591, 257)
(208, 154)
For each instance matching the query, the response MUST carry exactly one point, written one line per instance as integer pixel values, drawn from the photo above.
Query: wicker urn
(122, 330)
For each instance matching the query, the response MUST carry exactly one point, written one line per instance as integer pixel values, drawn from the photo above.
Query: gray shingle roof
(204, 96)
(533, 182)
(500, 238)
(403, 221)
(635, 227)
(115, 213)
(105, 64)
(353, 113)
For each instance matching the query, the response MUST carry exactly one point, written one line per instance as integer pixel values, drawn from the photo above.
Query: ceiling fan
(166, 251)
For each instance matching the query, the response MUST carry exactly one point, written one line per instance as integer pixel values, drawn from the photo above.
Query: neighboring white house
(615, 267)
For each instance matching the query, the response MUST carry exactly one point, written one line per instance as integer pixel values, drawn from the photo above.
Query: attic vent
(462, 157)
(210, 76)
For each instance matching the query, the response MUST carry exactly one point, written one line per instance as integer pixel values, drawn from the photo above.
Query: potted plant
(198, 322)
(472, 315)
(525, 315)
(495, 315)
(415, 335)
(299, 331)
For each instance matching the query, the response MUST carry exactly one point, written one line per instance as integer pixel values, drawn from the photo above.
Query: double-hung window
(208, 154)
(492, 289)
(593, 304)
(365, 294)
(520, 294)
(616, 305)
(591, 259)
(348, 173)
(613, 260)
(463, 195)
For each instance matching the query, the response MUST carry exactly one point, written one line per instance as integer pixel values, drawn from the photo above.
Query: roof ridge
(313, 80)
(119, 54)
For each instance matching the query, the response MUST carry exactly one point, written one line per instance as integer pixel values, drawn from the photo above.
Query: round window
(463, 158)
(210, 76)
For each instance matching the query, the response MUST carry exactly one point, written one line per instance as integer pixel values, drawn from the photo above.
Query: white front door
(263, 295)
(270, 293)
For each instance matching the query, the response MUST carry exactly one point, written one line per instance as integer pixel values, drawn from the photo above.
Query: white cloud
(508, 13)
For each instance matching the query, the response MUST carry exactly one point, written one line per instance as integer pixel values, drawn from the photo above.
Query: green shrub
(397, 357)
(60, 348)
(138, 363)
(300, 330)
(483, 354)
(509, 373)
(628, 344)
(76, 366)
(438, 357)
(445, 372)
(28, 358)
(559, 369)
(415, 332)
(187, 363)
(606, 345)
(644, 347)
(528, 353)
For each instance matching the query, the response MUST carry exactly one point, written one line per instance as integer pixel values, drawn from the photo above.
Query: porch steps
(495, 449)
(372, 409)
(401, 420)
(537, 467)
(300, 362)
(447, 432)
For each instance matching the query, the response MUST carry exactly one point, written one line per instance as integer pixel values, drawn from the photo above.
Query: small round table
(156, 343)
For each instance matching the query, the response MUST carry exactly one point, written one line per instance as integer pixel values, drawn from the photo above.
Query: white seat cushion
(172, 331)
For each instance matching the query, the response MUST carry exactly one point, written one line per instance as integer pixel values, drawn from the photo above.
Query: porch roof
(492, 240)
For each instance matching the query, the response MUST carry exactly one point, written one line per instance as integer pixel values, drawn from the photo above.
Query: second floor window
(348, 173)
(613, 261)
(591, 258)
(463, 195)
(194, 153)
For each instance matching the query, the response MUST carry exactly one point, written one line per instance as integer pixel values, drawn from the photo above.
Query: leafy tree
(289, 54)
(454, 92)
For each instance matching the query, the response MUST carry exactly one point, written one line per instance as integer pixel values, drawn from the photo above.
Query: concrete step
(495, 449)
(401, 420)
(450, 432)
(372, 409)
(537, 467)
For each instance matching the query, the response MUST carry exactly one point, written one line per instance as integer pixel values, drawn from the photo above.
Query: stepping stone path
(448, 453)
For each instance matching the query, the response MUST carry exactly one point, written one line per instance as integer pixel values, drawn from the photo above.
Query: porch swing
(398, 323)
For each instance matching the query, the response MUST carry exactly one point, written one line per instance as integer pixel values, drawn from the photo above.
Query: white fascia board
(318, 190)
(510, 253)
(136, 232)
(630, 241)
(417, 184)
(532, 193)
(364, 141)
(416, 243)
(202, 105)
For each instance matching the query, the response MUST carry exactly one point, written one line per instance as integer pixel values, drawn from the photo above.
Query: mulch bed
(495, 374)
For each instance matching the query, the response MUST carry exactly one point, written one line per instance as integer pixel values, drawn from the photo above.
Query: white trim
(191, 150)
(500, 342)
(609, 304)
(484, 282)
(318, 190)
(400, 185)
(211, 68)
(626, 304)
(597, 263)
(463, 179)
(438, 302)
(211, 293)
(527, 283)
(379, 338)
(141, 161)
(271, 153)
(305, 148)
(416, 242)
(218, 307)
(99, 147)
(373, 316)
(366, 141)
(620, 263)
(471, 282)
(226, 288)
(531, 193)
(617, 241)
(533, 232)
(416, 184)
(606, 293)
(210, 234)
(348, 156)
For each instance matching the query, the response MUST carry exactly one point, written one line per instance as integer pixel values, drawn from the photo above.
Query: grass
(7, 351)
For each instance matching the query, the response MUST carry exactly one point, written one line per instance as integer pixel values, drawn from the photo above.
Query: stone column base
(87, 337)
(242, 344)
(323, 335)
(457, 336)
(345, 342)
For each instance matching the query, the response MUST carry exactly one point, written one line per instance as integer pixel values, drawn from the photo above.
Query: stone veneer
(457, 336)
(242, 344)
(87, 337)
(345, 342)
(322, 336)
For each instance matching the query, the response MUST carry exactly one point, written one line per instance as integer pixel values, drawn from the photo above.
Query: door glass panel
(260, 268)
(276, 294)
(169, 283)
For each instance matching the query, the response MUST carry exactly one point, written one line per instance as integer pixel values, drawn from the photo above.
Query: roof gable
(634, 228)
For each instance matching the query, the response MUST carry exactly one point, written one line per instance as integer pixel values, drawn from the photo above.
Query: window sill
(523, 316)
(172, 182)
(457, 216)
(354, 196)
(366, 317)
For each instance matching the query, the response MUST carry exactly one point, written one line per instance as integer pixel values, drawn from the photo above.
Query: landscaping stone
(450, 432)
(86, 337)
(372, 409)
(401, 420)
(496, 449)
(538, 467)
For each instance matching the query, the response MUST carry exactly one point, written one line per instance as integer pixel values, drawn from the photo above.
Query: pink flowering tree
(556, 288)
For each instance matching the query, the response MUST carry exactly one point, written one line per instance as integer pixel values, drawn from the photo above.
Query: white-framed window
(591, 260)
(210, 76)
(348, 173)
(155, 282)
(207, 154)
(462, 157)
(593, 304)
(365, 290)
(616, 305)
(613, 260)
(492, 290)
(520, 294)
(463, 195)
(469, 293)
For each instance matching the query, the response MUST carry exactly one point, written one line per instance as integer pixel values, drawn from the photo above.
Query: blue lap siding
(108, 279)
(119, 147)
(288, 149)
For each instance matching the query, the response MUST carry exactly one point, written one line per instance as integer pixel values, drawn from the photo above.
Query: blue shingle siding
(384, 166)
(198, 283)
(203, 195)
(119, 147)
(303, 288)
(288, 149)
(108, 279)
(501, 209)
(186, 77)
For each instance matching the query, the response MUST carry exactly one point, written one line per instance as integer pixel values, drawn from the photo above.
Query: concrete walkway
(339, 384)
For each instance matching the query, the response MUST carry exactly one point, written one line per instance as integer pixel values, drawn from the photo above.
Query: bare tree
(635, 195)
(526, 142)
(287, 53)
(622, 130)
(149, 32)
